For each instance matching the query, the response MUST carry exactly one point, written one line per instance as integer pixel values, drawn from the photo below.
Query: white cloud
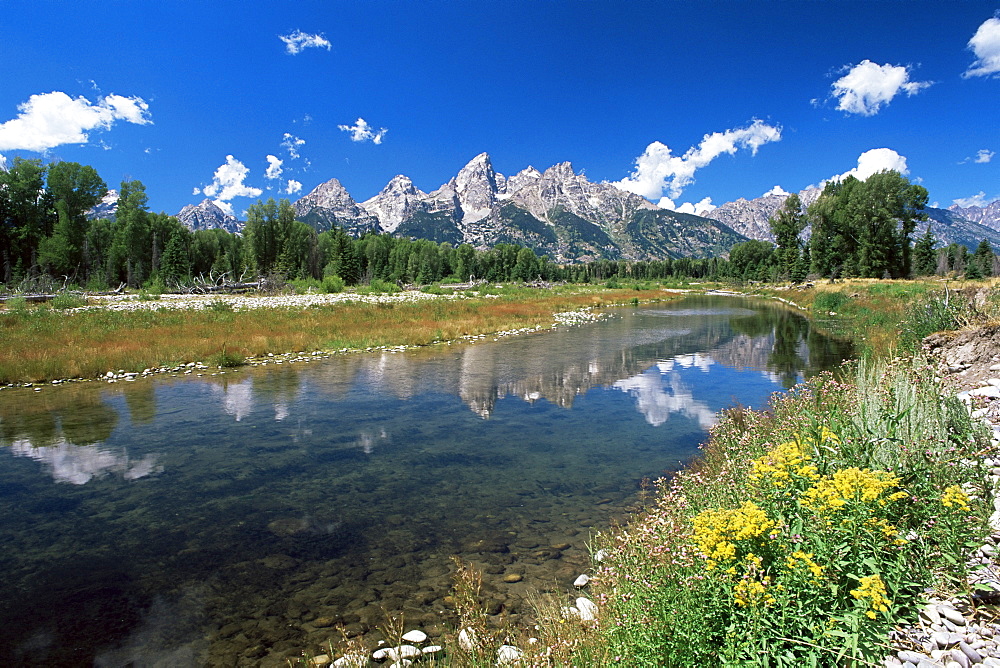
(3, 163)
(293, 187)
(986, 45)
(657, 170)
(874, 161)
(196, 191)
(867, 86)
(777, 190)
(52, 119)
(983, 156)
(227, 183)
(292, 144)
(361, 131)
(273, 168)
(296, 41)
(704, 206)
(980, 199)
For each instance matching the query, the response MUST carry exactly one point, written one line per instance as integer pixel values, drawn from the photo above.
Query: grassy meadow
(42, 343)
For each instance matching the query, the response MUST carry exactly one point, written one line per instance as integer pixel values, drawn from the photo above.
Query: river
(233, 519)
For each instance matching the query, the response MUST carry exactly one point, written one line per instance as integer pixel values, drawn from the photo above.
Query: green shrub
(227, 359)
(219, 306)
(829, 301)
(378, 287)
(333, 284)
(65, 300)
(17, 305)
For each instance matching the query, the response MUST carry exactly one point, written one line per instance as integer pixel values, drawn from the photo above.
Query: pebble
(508, 654)
(415, 636)
(587, 609)
(581, 581)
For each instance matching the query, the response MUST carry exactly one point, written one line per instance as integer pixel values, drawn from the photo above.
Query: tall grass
(804, 533)
(40, 344)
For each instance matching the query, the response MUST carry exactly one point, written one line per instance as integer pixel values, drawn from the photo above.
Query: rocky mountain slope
(106, 208)
(207, 216)
(556, 212)
(988, 216)
(750, 218)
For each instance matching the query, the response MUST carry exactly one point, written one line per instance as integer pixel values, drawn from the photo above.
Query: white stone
(587, 609)
(351, 661)
(431, 650)
(508, 654)
(408, 652)
(581, 581)
(990, 391)
(414, 636)
(467, 640)
(601, 555)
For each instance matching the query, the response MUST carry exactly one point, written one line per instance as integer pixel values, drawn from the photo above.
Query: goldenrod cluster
(716, 531)
(797, 558)
(753, 592)
(852, 484)
(954, 497)
(872, 588)
(784, 461)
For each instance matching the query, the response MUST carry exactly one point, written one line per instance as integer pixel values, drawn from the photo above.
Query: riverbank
(852, 522)
(131, 337)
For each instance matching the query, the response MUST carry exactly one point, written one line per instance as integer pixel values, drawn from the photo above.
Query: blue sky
(788, 93)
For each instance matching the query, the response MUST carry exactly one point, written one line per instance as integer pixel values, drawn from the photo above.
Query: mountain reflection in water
(230, 519)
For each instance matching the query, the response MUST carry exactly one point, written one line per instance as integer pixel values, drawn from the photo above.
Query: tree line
(859, 228)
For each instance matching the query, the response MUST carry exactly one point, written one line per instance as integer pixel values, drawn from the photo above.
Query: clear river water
(233, 519)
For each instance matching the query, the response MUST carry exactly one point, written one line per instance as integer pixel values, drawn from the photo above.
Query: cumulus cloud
(361, 131)
(52, 119)
(980, 199)
(982, 157)
(704, 206)
(986, 45)
(874, 161)
(3, 163)
(293, 187)
(273, 168)
(657, 170)
(296, 42)
(867, 86)
(292, 144)
(228, 182)
(777, 190)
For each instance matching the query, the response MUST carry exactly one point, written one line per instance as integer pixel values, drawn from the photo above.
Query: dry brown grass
(42, 344)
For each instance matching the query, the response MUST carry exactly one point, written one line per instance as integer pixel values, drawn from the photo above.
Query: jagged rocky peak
(208, 216)
(477, 186)
(988, 215)
(331, 196)
(397, 202)
(106, 208)
(523, 179)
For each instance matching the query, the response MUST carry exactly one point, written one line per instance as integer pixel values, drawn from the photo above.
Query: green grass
(804, 534)
(43, 344)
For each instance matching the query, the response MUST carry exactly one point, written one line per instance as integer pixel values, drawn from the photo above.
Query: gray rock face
(329, 204)
(557, 212)
(988, 216)
(107, 208)
(750, 217)
(208, 216)
(397, 202)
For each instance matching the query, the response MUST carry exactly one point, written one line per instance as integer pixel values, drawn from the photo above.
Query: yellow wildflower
(783, 461)
(954, 497)
(806, 559)
(753, 592)
(852, 484)
(872, 588)
(716, 531)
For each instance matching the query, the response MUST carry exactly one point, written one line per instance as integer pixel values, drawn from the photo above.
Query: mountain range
(556, 212)
(559, 213)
